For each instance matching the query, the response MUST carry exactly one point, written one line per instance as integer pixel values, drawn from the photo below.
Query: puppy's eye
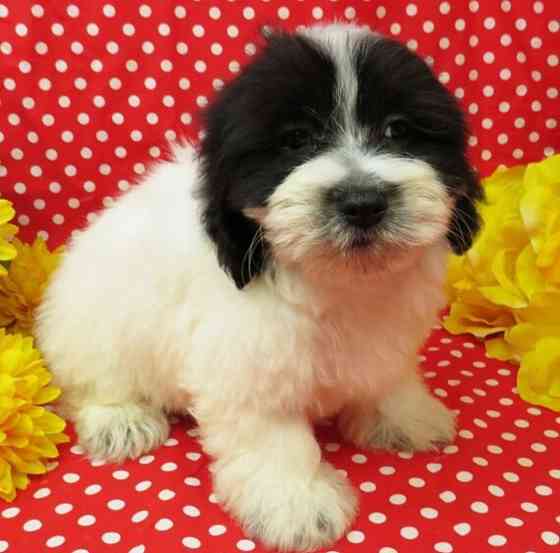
(296, 139)
(397, 129)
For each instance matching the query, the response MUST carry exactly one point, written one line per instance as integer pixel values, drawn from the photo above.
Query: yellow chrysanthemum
(506, 289)
(7, 231)
(29, 433)
(22, 287)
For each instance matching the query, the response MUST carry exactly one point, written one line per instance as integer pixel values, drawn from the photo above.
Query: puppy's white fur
(140, 320)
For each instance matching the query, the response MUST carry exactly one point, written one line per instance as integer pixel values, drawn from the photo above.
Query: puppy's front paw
(296, 514)
(117, 432)
(423, 428)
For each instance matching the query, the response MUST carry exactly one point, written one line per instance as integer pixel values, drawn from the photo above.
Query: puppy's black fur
(282, 110)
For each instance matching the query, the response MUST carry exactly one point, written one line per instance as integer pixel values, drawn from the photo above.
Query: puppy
(288, 270)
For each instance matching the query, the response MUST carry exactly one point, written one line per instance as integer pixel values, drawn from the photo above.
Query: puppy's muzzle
(362, 208)
(362, 202)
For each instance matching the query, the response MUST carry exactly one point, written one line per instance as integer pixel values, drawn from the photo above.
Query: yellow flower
(29, 433)
(22, 288)
(538, 380)
(506, 289)
(7, 231)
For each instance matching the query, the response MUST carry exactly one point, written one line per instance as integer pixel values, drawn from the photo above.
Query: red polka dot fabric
(495, 488)
(90, 93)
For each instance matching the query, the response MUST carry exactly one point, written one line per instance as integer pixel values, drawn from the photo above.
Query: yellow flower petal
(29, 432)
(538, 379)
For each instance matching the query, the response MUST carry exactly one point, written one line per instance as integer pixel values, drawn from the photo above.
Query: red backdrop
(89, 94)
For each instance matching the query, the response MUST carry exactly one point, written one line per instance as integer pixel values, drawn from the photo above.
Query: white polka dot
(550, 538)
(496, 490)
(71, 477)
(217, 530)
(387, 470)
(464, 476)
(45, 84)
(538, 447)
(434, 467)
(447, 496)
(116, 504)
(409, 532)
(67, 136)
(191, 511)
(529, 507)
(32, 525)
(443, 547)
(180, 12)
(145, 10)
(368, 487)
(479, 507)
(232, 31)
(514, 522)
(192, 543)
(109, 10)
(128, 29)
(166, 495)
(10, 512)
(192, 481)
(166, 65)
(55, 541)
(377, 518)
(139, 516)
(283, 13)
(248, 13)
(57, 29)
(93, 488)
(543, 490)
(417, 482)
(193, 456)
(92, 29)
(163, 524)
(41, 48)
(411, 10)
(120, 475)
(429, 513)
(463, 528)
(245, 545)
(397, 499)
(428, 26)
(148, 47)
(111, 538)
(86, 520)
(497, 540)
(164, 29)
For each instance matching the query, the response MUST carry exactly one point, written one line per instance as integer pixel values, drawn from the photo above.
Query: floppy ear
(240, 250)
(465, 221)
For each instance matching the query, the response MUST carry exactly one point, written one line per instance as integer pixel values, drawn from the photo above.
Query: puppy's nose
(363, 207)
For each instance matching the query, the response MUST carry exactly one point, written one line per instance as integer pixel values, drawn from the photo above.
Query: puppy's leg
(115, 432)
(268, 473)
(409, 418)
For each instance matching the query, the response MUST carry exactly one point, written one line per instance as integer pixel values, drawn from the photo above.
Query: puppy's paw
(407, 429)
(298, 514)
(117, 432)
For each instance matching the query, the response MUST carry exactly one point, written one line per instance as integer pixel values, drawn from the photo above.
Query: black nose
(362, 207)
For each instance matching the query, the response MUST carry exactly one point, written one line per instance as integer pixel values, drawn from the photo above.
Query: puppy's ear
(240, 249)
(465, 221)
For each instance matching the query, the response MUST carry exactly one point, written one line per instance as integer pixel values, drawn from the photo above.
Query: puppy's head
(335, 145)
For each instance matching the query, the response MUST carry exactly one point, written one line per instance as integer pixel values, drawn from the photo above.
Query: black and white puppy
(290, 270)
